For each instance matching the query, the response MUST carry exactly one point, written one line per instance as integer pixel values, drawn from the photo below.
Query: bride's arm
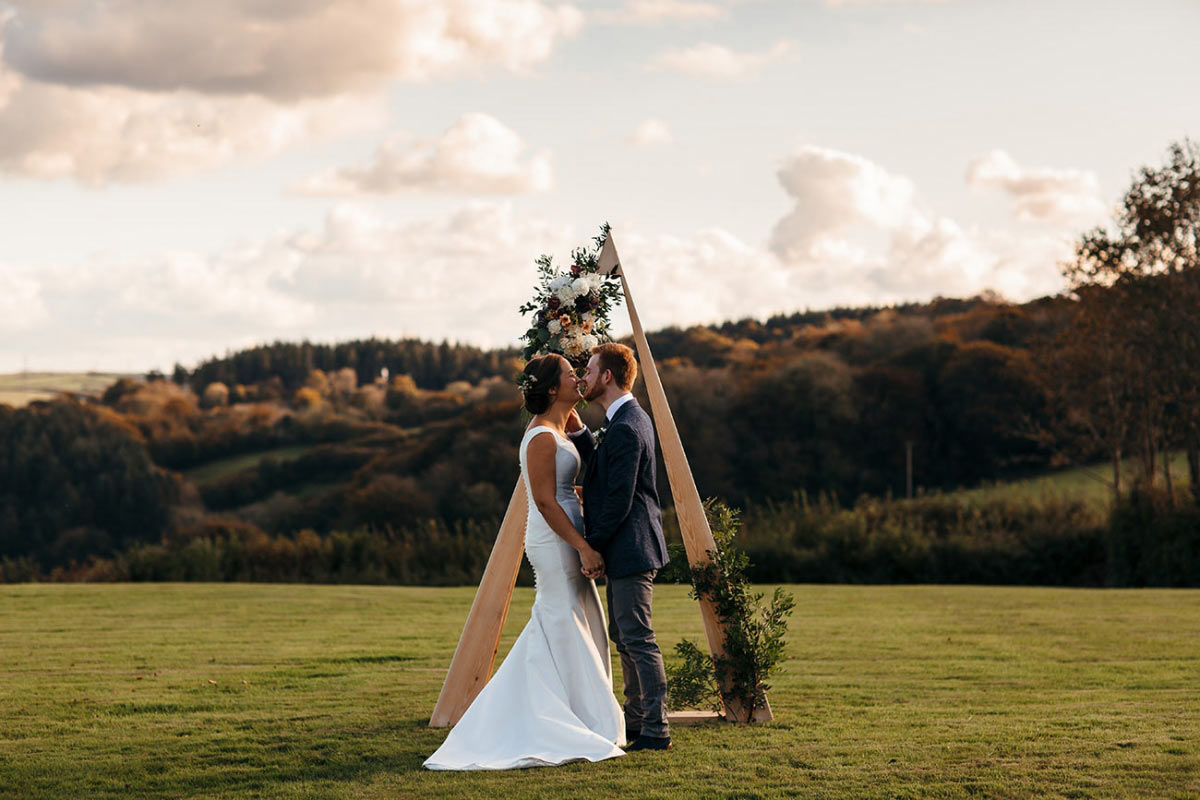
(539, 457)
(580, 436)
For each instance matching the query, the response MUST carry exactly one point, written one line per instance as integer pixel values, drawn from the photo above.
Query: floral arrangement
(571, 307)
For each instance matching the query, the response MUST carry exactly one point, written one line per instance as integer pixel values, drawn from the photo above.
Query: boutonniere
(598, 435)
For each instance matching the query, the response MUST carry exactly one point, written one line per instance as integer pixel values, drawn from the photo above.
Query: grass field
(1090, 483)
(19, 388)
(288, 691)
(222, 468)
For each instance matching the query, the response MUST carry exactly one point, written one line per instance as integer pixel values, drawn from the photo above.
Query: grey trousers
(629, 600)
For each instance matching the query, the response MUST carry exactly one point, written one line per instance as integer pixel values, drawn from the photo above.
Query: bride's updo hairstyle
(540, 375)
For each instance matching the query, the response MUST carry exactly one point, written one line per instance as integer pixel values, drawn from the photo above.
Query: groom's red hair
(617, 359)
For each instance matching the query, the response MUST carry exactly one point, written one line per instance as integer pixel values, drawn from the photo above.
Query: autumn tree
(1140, 281)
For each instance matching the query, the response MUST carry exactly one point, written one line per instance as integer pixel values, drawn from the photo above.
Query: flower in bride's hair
(554, 326)
(565, 322)
(525, 382)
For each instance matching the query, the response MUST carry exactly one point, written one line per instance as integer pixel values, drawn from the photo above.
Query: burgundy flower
(576, 269)
(554, 303)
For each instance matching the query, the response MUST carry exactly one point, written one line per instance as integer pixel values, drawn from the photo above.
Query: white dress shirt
(620, 401)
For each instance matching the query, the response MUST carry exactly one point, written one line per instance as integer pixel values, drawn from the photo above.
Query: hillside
(20, 388)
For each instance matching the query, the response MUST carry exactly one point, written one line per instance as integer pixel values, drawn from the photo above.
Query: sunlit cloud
(476, 155)
(708, 60)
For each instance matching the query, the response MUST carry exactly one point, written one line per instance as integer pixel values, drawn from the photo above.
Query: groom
(623, 521)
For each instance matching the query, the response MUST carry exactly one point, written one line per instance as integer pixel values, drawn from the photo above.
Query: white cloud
(476, 155)
(883, 2)
(716, 61)
(650, 132)
(111, 134)
(460, 276)
(834, 191)
(709, 276)
(650, 12)
(1043, 194)
(21, 303)
(858, 234)
(284, 50)
(131, 90)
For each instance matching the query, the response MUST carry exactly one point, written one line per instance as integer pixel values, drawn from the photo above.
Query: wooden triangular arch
(471, 666)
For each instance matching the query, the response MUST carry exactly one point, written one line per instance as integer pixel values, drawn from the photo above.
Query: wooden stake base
(687, 718)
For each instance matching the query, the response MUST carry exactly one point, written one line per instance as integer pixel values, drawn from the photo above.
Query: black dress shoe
(631, 734)
(650, 743)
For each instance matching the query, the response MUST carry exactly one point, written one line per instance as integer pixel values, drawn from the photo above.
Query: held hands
(592, 563)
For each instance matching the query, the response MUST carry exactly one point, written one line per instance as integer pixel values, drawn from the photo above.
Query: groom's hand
(591, 563)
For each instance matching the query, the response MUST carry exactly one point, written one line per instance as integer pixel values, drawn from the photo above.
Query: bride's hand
(592, 563)
(574, 422)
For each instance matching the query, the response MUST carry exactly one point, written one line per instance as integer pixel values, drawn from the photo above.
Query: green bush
(1154, 540)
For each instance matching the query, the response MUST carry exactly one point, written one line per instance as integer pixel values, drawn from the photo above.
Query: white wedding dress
(551, 700)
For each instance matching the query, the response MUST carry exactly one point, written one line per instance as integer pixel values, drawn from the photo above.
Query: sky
(182, 179)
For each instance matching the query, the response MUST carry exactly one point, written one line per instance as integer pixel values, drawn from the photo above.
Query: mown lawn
(291, 691)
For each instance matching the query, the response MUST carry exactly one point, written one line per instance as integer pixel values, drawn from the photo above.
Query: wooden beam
(693, 522)
(471, 666)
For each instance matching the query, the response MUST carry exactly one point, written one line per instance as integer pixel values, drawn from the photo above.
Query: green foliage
(233, 550)
(754, 645)
(1153, 540)
(692, 681)
(76, 481)
(280, 368)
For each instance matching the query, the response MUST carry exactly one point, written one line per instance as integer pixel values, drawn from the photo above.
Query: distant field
(1091, 483)
(289, 691)
(19, 388)
(214, 470)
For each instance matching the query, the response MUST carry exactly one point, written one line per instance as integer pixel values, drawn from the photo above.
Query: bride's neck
(557, 416)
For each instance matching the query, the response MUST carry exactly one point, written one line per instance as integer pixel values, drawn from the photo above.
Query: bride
(551, 700)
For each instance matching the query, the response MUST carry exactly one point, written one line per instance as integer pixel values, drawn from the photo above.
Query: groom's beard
(593, 392)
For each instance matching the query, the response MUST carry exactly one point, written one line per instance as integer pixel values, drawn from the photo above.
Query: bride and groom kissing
(551, 700)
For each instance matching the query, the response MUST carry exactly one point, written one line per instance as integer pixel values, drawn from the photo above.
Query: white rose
(589, 342)
(554, 327)
(559, 282)
(580, 286)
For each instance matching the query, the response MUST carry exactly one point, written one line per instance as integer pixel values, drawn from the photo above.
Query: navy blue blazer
(621, 513)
